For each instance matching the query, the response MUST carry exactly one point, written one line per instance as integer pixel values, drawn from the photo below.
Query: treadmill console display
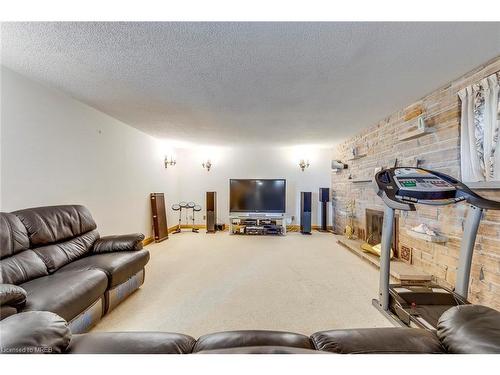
(419, 180)
(402, 187)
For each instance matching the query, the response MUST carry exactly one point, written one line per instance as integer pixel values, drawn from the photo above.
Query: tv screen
(259, 195)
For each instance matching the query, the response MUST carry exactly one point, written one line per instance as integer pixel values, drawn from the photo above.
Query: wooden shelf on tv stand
(399, 269)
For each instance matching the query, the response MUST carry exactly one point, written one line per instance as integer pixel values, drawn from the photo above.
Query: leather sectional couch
(53, 259)
(462, 329)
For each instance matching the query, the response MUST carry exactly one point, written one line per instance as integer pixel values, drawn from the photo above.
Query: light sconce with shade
(303, 164)
(207, 165)
(170, 162)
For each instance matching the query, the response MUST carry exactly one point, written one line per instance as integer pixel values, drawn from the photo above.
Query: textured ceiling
(220, 83)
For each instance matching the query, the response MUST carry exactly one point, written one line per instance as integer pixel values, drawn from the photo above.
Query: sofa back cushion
(59, 234)
(470, 329)
(47, 225)
(244, 338)
(22, 267)
(13, 235)
(59, 254)
(18, 264)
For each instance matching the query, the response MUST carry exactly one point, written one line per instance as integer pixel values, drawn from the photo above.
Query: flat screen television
(257, 195)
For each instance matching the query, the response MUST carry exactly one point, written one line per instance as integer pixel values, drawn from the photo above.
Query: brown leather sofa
(53, 259)
(462, 329)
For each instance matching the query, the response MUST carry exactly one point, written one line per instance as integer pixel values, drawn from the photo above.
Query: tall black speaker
(324, 198)
(211, 211)
(305, 212)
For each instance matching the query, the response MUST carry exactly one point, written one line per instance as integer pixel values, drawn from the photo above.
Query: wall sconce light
(304, 164)
(207, 165)
(170, 162)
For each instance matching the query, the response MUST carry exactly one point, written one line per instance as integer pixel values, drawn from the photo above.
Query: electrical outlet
(204, 217)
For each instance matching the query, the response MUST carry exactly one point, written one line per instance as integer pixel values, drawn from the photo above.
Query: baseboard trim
(147, 241)
(186, 226)
(289, 228)
(296, 227)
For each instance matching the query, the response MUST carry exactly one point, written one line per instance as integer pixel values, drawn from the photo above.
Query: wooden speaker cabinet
(160, 227)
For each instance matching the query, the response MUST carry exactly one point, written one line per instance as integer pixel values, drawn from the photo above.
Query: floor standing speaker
(305, 212)
(324, 198)
(160, 227)
(211, 211)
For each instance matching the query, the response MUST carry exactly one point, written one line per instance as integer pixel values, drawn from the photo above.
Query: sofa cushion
(131, 343)
(377, 340)
(59, 254)
(118, 266)
(263, 350)
(34, 332)
(13, 235)
(22, 267)
(46, 225)
(470, 329)
(65, 293)
(238, 339)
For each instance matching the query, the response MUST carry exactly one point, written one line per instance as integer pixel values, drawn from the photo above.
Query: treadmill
(421, 305)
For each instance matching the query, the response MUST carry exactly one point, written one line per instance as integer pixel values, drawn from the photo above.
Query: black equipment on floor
(160, 227)
(305, 212)
(324, 198)
(211, 211)
(401, 189)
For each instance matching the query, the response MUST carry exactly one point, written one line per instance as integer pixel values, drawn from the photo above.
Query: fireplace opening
(374, 220)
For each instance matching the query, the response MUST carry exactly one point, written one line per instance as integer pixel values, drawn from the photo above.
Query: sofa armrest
(34, 332)
(125, 242)
(12, 295)
(470, 329)
(378, 341)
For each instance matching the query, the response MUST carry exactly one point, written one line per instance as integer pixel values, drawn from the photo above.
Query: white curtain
(479, 131)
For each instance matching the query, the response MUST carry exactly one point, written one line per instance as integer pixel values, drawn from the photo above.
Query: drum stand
(196, 208)
(179, 207)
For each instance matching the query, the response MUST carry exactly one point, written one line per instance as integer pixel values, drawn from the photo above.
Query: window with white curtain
(479, 131)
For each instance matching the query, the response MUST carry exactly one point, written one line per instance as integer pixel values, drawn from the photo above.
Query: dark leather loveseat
(462, 329)
(53, 259)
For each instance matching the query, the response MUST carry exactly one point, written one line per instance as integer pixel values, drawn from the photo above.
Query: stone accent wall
(439, 150)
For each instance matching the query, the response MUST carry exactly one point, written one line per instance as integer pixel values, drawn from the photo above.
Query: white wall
(255, 162)
(56, 150)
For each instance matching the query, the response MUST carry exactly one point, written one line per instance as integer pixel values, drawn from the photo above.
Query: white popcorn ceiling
(248, 83)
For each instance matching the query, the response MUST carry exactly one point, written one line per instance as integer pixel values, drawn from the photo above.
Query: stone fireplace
(373, 229)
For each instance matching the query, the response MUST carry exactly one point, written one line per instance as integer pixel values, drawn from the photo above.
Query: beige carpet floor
(202, 283)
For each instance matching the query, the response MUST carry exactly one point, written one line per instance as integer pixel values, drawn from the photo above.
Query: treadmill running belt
(431, 313)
